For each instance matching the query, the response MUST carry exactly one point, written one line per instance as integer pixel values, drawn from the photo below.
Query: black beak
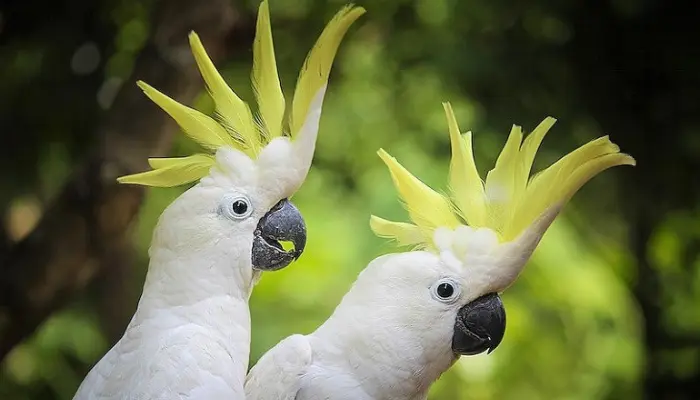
(283, 223)
(480, 326)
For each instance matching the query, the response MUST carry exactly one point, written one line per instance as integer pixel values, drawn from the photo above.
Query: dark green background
(608, 308)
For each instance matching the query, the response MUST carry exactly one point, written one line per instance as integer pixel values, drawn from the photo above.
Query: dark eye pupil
(239, 207)
(445, 290)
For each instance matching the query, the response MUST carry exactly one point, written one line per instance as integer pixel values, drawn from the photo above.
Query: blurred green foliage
(574, 326)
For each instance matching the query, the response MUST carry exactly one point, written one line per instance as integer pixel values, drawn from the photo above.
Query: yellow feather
(233, 111)
(156, 163)
(500, 182)
(201, 128)
(314, 74)
(426, 208)
(527, 155)
(404, 233)
(556, 184)
(266, 83)
(508, 202)
(173, 172)
(585, 172)
(237, 127)
(465, 183)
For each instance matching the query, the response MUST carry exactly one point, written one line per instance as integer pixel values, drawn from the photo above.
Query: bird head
(252, 164)
(472, 243)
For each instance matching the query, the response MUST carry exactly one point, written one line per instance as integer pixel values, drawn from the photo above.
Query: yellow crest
(235, 126)
(508, 201)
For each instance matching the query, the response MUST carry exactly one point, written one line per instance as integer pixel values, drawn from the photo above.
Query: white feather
(388, 339)
(279, 373)
(190, 335)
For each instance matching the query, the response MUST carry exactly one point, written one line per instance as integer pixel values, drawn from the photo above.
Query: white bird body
(190, 335)
(409, 316)
(365, 352)
(203, 358)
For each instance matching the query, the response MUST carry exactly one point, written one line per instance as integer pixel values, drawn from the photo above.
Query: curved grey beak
(480, 326)
(283, 223)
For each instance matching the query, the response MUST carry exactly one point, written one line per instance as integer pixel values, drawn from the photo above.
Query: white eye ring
(236, 206)
(446, 290)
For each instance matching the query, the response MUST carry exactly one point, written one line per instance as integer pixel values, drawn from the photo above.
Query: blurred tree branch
(86, 225)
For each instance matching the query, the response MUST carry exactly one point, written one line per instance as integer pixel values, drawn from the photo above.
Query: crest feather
(465, 183)
(500, 181)
(234, 112)
(527, 154)
(404, 233)
(170, 172)
(266, 82)
(200, 127)
(508, 203)
(560, 181)
(427, 208)
(237, 128)
(317, 66)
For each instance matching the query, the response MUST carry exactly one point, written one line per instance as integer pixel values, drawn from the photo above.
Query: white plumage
(190, 335)
(409, 316)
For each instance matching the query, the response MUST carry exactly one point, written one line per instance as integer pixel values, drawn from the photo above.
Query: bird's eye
(239, 207)
(445, 290)
(236, 207)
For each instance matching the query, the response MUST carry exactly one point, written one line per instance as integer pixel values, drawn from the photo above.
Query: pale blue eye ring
(236, 206)
(446, 290)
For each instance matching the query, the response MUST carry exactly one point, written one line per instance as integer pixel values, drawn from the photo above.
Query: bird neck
(184, 278)
(392, 359)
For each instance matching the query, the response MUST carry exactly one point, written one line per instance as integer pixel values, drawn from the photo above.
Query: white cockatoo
(190, 335)
(409, 316)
